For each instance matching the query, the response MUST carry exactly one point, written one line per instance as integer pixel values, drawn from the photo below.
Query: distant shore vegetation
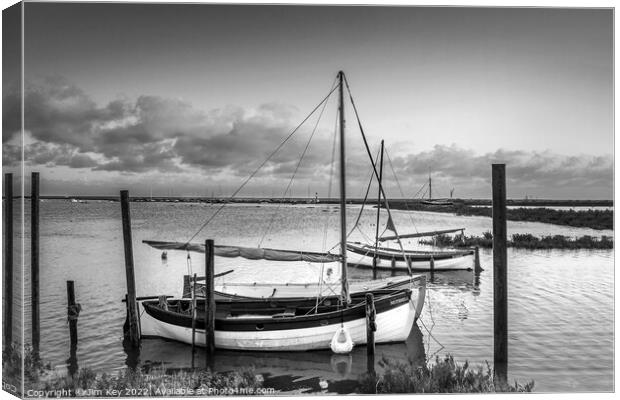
(595, 219)
(524, 241)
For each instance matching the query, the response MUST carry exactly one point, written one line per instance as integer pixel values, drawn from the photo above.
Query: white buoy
(342, 342)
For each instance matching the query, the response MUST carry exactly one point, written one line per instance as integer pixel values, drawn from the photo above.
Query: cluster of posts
(132, 326)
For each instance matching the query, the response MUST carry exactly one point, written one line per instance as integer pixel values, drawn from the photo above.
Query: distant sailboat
(378, 257)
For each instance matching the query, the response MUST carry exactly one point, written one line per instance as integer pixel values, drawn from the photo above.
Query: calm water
(560, 302)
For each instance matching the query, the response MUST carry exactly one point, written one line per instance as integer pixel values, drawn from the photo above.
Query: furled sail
(251, 253)
(420, 234)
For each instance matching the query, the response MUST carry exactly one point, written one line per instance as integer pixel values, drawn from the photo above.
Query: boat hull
(394, 323)
(360, 256)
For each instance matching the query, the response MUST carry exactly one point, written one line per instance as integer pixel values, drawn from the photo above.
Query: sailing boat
(436, 202)
(292, 324)
(380, 257)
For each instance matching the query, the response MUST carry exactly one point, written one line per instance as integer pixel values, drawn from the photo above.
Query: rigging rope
(327, 215)
(359, 215)
(293, 176)
(374, 167)
(262, 164)
(401, 190)
(419, 190)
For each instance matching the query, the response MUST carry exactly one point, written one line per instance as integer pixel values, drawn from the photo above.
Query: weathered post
(500, 293)
(133, 332)
(194, 314)
(477, 267)
(8, 260)
(371, 327)
(209, 299)
(34, 261)
(73, 312)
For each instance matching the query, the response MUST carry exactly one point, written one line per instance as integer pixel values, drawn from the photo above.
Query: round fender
(342, 343)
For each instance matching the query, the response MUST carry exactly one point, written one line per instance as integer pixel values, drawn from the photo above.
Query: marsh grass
(595, 219)
(158, 381)
(444, 376)
(524, 241)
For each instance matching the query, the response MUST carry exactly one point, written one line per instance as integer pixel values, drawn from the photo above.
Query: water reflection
(310, 367)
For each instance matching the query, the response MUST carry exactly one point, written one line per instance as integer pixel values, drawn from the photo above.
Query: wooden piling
(133, 331)
(8, 260)
(500, 282)
(477, 266)
(34, 261)
(194, 314)
(209, 299)
(371, 327)
(73, 312)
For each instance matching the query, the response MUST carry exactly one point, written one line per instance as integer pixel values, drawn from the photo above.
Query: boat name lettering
(398, 301)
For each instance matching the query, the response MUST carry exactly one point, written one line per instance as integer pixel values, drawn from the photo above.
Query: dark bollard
(8, 260)
(34, 261)
(133, 328)
(73, 312)
(500, 281)
(371, 327)
(210, 300)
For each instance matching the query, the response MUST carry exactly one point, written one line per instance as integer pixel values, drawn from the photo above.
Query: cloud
(538, 171)
(66, 128)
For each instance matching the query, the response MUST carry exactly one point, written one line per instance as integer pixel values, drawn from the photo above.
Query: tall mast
(374, 259)
(343, 195)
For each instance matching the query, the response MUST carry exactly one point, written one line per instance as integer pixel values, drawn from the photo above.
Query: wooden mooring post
(209, 300)
(34, 261)
(132, 332)
(194, 314)
(73, 312)
(432, 268)
(477, 267)
(500, 281)
(371, 327)
(8, 260)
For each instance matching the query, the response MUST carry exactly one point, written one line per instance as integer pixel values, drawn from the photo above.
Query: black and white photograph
(238, 199)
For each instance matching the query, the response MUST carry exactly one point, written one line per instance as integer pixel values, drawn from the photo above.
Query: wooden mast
(374, 259)
(343, 195)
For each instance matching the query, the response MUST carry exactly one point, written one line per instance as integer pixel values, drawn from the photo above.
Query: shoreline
(395, 204)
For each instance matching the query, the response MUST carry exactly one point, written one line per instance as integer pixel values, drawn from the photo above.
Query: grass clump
(158, 382)
(524, 241)
(445, 376)
(41, 381)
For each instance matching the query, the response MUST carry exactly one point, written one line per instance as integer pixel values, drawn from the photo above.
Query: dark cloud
(66, 128)
(541, 171)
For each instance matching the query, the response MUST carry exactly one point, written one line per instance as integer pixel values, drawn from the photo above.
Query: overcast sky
(189, 99)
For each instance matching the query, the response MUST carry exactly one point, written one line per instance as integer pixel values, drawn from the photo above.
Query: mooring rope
(374, 168)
